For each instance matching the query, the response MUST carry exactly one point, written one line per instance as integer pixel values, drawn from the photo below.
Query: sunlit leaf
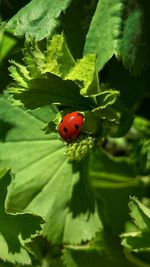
(46, 184)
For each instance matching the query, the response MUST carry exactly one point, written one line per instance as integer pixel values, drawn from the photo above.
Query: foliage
(87, 202)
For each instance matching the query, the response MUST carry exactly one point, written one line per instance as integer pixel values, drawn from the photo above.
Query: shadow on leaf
(5, 127)
(14, 228)
(82, 200)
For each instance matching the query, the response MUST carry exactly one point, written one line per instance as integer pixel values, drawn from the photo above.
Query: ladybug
(70, 126)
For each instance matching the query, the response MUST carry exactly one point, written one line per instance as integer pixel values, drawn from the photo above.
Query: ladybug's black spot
(65, 130)
(76, 126)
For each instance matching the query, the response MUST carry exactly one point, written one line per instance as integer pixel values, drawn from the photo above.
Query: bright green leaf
(20, 74)
(58, 59)
(15, 230)
(45, 183)
(85, 73)
(52, 76)
(40, 23)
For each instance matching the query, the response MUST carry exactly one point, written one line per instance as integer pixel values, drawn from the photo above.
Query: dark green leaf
(75, 23)
(135, 41)
(50, 89)
(120, 28)
(136, 241)
(105, 28)
(15, 230)
(105, 251)
(113, 179)
(139, 240)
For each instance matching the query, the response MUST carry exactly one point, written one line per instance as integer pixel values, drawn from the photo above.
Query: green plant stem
(111, 180)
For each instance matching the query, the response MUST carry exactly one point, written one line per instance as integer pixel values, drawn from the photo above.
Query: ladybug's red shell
(70, 126)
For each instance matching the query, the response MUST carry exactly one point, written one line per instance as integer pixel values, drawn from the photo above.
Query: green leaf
(52, 76)
(125, 121)
(120, 28)
(20, 74)
(105, 28)
(139, 240)
(136, 241)
(106, 100)
(50, 89)
(58, 59)
(140, 214)
(104, 251)
(77, 16)
(45, 253)
(45, 183)
(85, 72)
(142, 125)
(15, 230)
(107, 113)
(108, 97)
(42, 22)
(117, 119)
(8, 46)
(7, 43)
(135, 41)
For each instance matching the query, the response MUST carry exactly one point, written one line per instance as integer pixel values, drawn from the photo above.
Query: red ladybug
(70, 126)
